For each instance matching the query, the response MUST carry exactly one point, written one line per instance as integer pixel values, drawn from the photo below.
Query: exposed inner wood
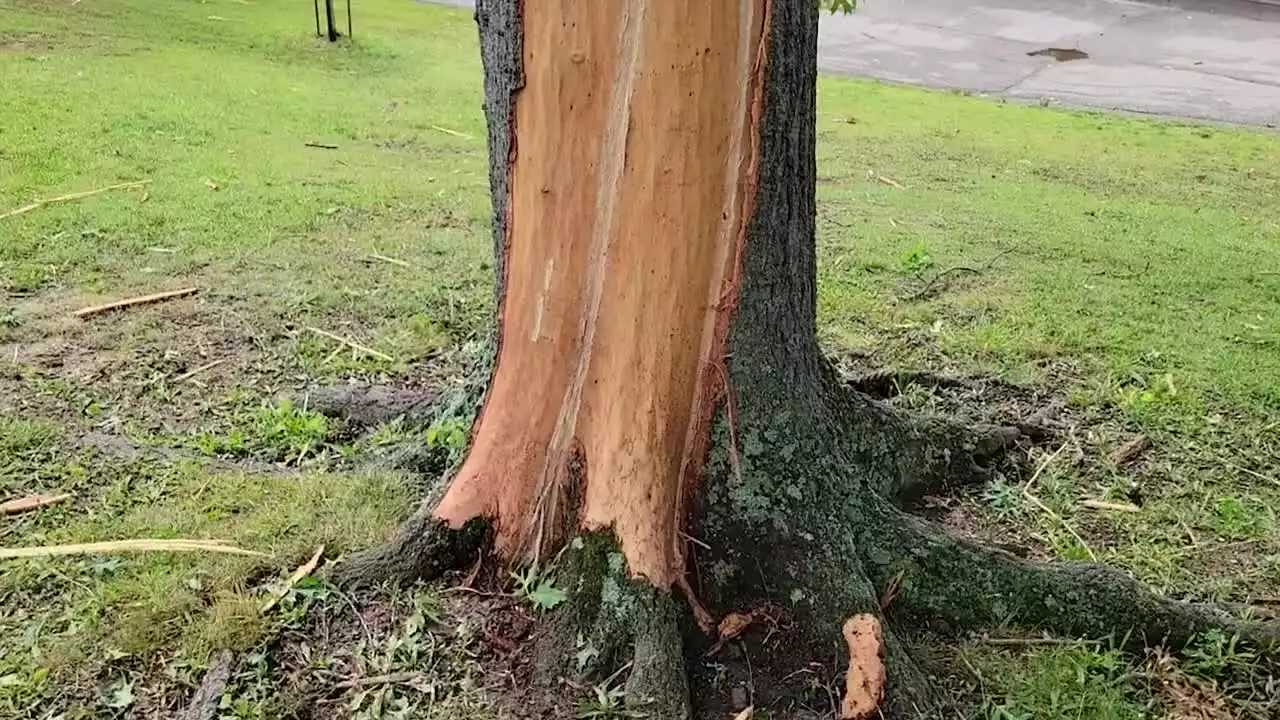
(632, 181)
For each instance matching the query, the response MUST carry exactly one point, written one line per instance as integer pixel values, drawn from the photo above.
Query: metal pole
(328, 16)
(349, 34)
(315, 4)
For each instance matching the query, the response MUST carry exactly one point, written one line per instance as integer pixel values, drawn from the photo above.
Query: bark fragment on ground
(367, 405)
(204, 703)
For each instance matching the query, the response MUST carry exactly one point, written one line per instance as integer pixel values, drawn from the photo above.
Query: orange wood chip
(864, 683)
(733, 624)
(31, 502)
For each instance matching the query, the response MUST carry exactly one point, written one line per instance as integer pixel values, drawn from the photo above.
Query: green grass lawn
(1126, 266)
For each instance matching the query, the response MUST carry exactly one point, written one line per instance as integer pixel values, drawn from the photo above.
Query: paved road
(1213, 62)
(1208, 59)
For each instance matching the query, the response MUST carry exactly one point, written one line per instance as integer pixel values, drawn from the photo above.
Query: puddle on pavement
(1060, 54)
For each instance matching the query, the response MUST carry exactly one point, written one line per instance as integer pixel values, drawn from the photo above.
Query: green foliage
(292, 430)
(448, 433)
(838, 6)
(1069, 682)
(917, 260)
(607, 702)
(538, 588)
(1215, 653)
(1240, 518)
(1004, 498)
(280, 431)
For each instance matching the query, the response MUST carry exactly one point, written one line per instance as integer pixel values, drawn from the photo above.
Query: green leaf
(547, 596)
(121, 694)
(585, 656)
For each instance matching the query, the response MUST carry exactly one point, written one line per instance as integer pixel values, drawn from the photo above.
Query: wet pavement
(1207, 59)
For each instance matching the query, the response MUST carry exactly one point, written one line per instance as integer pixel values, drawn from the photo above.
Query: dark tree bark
(791, 483)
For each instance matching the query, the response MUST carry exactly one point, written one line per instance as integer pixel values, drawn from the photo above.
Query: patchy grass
(1122, 265)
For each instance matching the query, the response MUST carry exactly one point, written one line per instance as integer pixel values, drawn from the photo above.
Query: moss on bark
(615, 630)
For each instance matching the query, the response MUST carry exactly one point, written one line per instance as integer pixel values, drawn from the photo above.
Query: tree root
(423, 548)
(936, 454)
(889, 382)
(614, 626)
(964, 586)
(658, 684)
(365, 405)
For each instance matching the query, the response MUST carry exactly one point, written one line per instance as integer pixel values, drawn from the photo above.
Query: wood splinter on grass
(70, 197)
(454, 133)
(31, 502)
(387, 259)
(134, 301)
(303, 570)
(123, 546)
(352, 344)
(865, 679)
(203, 368)
(1104, 505)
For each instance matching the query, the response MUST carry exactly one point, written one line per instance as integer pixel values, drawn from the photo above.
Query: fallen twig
(889, 181)
(31, 502)
(391, 260)
(1254, 473)
(1041, 467)
(454, 133)
(891, 590)
(134, 301)
(70, 197)
(1104, 505)
(303, 570)
(352, 344)
(322, 146)
(928, 287)
(126, 546)
(1026, 492)
(203, 368)
(1023, 642)
(204, 703)
(396, 678)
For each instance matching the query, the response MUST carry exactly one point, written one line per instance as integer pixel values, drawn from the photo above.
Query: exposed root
(659, 685)
(614, 632)
(422, 549)
(969, 587)
(366, 405)
(888, 382)
(936, 454)
(906, 690)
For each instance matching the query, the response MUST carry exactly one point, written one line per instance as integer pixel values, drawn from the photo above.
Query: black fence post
(328, 16)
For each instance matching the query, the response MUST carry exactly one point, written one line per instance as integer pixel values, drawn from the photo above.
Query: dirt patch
(771, 668)
(29, 42)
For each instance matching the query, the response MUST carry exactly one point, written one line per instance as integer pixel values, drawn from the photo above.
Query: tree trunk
(658, 400)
